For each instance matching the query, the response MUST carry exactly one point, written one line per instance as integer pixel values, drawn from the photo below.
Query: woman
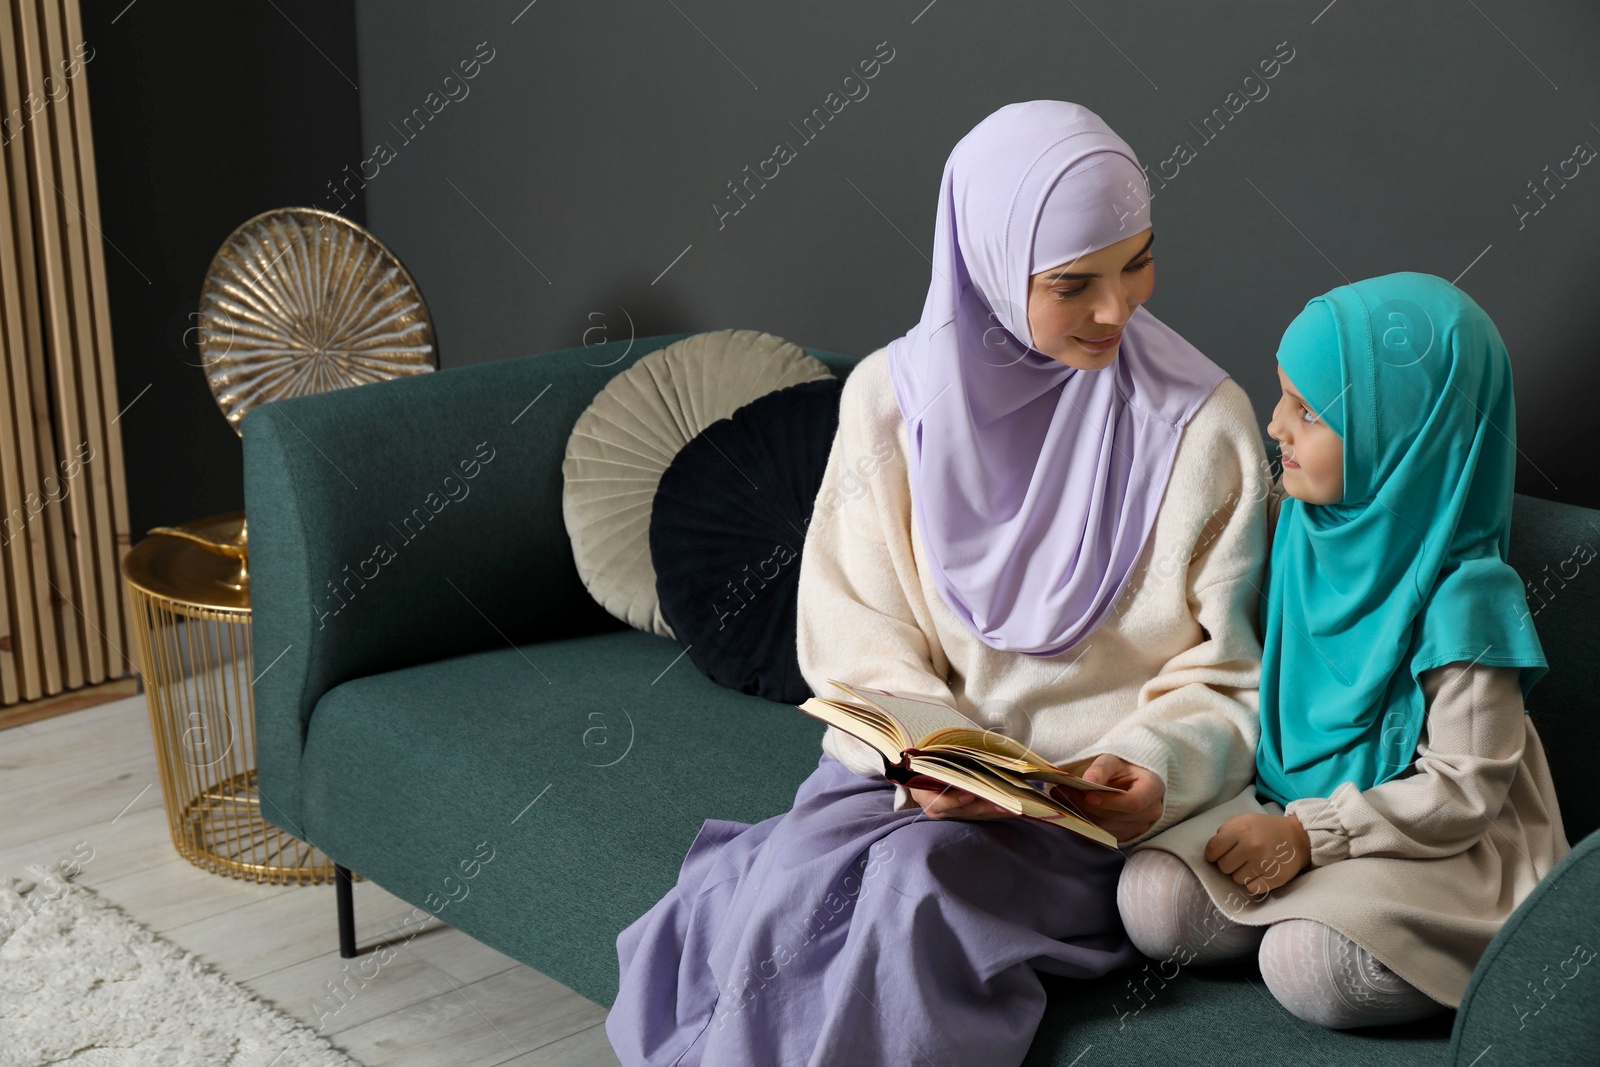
(1046, 508)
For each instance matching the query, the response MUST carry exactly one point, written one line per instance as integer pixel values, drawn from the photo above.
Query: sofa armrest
(406, 521)
(1533, 995)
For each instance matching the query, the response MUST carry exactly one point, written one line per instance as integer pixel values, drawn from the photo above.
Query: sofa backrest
(1556, 549)
(305, 457)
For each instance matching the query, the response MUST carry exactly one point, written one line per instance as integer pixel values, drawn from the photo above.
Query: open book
(921, 738)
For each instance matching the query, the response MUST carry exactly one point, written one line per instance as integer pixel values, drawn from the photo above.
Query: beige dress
(1421, 870)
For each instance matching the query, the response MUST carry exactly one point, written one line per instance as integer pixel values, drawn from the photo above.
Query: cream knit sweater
(1168, 681)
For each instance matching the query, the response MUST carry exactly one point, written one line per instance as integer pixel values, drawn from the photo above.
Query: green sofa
(458, 691)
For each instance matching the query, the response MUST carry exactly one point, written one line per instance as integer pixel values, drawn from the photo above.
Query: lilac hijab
(1036, 485)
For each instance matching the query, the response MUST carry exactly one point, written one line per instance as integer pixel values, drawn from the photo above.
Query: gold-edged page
(1020, 799)
(928, 724)
(868, 724)
(990, 741)
(1029, 768)
(958, 774)
(917, 717)
(1010, 793)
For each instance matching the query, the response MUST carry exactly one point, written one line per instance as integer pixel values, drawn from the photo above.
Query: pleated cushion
(633, 430)
(726, 533)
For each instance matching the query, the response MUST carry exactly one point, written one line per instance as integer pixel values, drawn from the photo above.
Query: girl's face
(1313, 455)
(1089, 299)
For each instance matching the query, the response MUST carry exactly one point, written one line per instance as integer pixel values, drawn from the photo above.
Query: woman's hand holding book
(1124, 815)
(948, 802)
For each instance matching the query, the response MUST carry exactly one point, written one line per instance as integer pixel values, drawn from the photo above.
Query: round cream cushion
(628, 436)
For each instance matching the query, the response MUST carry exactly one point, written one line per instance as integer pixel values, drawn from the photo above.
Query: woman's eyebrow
(1072, 276)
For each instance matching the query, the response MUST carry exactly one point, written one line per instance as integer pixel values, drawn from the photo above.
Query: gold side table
(191, 605)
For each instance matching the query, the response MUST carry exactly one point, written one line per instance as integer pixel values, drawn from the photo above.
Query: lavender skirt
(842, 931)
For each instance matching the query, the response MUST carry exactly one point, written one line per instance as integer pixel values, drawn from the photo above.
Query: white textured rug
(82, 984)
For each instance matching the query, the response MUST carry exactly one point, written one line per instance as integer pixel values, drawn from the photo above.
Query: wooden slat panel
(63, 605)
(64, 670)
(10, 691)
(76, 590)
(38, 659)
(119, 612)
(99, 580)
(14, 642)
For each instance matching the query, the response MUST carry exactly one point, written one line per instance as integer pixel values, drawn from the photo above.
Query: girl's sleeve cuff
(1330, 841)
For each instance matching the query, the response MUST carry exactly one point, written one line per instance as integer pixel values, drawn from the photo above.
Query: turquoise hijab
(1409, 570)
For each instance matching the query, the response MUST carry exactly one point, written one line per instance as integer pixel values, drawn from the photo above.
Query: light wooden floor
(87, 780)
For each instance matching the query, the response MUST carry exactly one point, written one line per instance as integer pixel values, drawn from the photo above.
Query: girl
(1046, 508)
(1402, 807)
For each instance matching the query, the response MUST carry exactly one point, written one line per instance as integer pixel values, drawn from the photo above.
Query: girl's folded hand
(1260, 851)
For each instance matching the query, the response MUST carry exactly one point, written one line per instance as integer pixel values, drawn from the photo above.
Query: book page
(1005, 792)
(864, 723)
(984, 747)
(919, 717)
(931, 725)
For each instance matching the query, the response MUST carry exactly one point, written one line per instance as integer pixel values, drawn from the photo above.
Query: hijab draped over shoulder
(1036, 485)
(1408, 571)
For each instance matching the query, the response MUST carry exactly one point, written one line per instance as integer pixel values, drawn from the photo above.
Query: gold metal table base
(192, 628)
(222, 831)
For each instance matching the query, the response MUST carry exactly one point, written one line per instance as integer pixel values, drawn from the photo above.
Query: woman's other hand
(948, 802)
(1124, 815)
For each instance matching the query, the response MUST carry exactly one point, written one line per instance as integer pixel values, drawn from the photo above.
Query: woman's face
(1313, 455)
(1090, 299)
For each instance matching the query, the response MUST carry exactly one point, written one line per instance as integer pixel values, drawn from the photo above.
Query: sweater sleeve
(1473, 742)
(1196, 722)
(1275, 495)
(860, 614)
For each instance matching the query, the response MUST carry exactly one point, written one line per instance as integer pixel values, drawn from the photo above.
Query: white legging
(1316, 973)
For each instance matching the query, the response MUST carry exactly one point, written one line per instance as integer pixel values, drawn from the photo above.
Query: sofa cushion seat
(406, 772)
(588, 765)
(1205, 1016)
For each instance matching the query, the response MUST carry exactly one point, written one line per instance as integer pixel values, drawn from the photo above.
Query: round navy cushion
(727, 526)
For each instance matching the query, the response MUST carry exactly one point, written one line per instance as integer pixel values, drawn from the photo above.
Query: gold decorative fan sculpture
(301, 301)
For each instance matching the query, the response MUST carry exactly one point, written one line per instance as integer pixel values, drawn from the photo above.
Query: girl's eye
(1309, 416)
(1066, 294)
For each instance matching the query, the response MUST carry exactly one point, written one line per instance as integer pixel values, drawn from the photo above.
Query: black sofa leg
(347, 912)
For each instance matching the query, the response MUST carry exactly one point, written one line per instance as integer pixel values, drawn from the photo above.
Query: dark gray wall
(568, 191)
(203, 115)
